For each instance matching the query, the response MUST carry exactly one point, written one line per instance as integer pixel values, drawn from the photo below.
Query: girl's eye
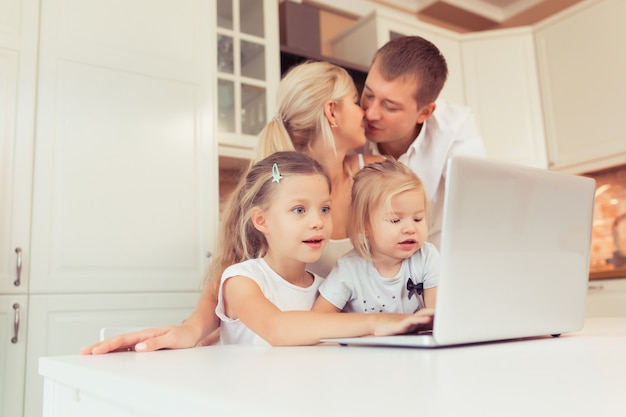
(325, 209)
(418, 219)
(394, 221)
(298, 210)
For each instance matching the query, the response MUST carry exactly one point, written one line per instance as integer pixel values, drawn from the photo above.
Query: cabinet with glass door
(248, 71)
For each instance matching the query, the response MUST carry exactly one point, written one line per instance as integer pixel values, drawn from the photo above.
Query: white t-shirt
(450, 130)
(284, 295)
(355, 285)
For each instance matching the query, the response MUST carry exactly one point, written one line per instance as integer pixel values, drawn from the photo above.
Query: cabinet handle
(16, 323)
(18, 267)
(595, 287)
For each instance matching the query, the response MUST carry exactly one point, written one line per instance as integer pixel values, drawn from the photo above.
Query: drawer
(606, 298)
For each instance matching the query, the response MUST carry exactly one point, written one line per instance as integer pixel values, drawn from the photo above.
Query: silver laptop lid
(515, 251)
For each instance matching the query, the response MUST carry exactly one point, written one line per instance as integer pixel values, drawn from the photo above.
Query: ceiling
(477, 15)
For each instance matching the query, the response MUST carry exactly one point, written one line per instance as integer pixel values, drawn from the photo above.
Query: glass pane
(252, 60)
(253, 112)
(251, 17)
(225, 54)
(226, 106)
(225, 14)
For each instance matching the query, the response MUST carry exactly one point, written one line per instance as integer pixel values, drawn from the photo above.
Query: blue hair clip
(276, 177)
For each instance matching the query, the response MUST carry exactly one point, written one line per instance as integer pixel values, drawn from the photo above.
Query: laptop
(515, 252)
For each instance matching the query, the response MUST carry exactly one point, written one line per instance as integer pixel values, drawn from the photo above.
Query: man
(405, 119)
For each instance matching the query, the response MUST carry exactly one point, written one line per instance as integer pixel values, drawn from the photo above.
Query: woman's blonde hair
(300, 119)
(238, 239)
(377, 184)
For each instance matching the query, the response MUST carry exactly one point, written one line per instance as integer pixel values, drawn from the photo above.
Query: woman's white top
(281, 293)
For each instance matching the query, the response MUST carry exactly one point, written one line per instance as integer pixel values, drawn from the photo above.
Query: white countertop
(578, 374)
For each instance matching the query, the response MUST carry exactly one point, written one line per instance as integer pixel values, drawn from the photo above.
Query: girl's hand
(391, 324)
(148, 340)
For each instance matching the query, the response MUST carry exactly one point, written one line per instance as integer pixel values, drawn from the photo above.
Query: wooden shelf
(612, 273)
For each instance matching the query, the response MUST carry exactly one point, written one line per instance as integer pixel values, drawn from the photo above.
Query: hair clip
(276, 177)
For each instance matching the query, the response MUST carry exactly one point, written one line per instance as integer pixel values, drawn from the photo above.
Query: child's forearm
(307, 328)
(203, 321)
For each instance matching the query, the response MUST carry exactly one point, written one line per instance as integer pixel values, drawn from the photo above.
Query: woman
(318, 114)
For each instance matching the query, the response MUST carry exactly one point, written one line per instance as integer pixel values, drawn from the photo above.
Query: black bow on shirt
(413, 288)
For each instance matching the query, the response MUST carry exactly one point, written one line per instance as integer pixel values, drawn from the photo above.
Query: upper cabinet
(502, 88)
(248, 71)
(582, 68)
(358, 44)
(18, 71)
(124, 187)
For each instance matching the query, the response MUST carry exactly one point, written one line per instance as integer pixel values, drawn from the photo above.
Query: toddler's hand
(391, 324)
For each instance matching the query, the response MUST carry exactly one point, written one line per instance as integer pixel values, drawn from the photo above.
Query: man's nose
(371, 111)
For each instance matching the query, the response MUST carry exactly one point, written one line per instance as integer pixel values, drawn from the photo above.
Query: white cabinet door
(13, 313)
(18, 68)
(248, 72)
(125, 189)
(582, 65)
(503, 90)
(62, 324)
(358, 43)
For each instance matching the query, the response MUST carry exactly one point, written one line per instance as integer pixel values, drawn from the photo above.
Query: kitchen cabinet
(248, 72)
(502, 88)
(607, 298)
(18, 69)
(110, 192)
(581, 55)
(358, 43)
(62, 324)
(13, 312)
(125, 160)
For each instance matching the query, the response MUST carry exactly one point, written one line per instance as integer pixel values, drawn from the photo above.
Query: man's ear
(425, 112)
(257, 215)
